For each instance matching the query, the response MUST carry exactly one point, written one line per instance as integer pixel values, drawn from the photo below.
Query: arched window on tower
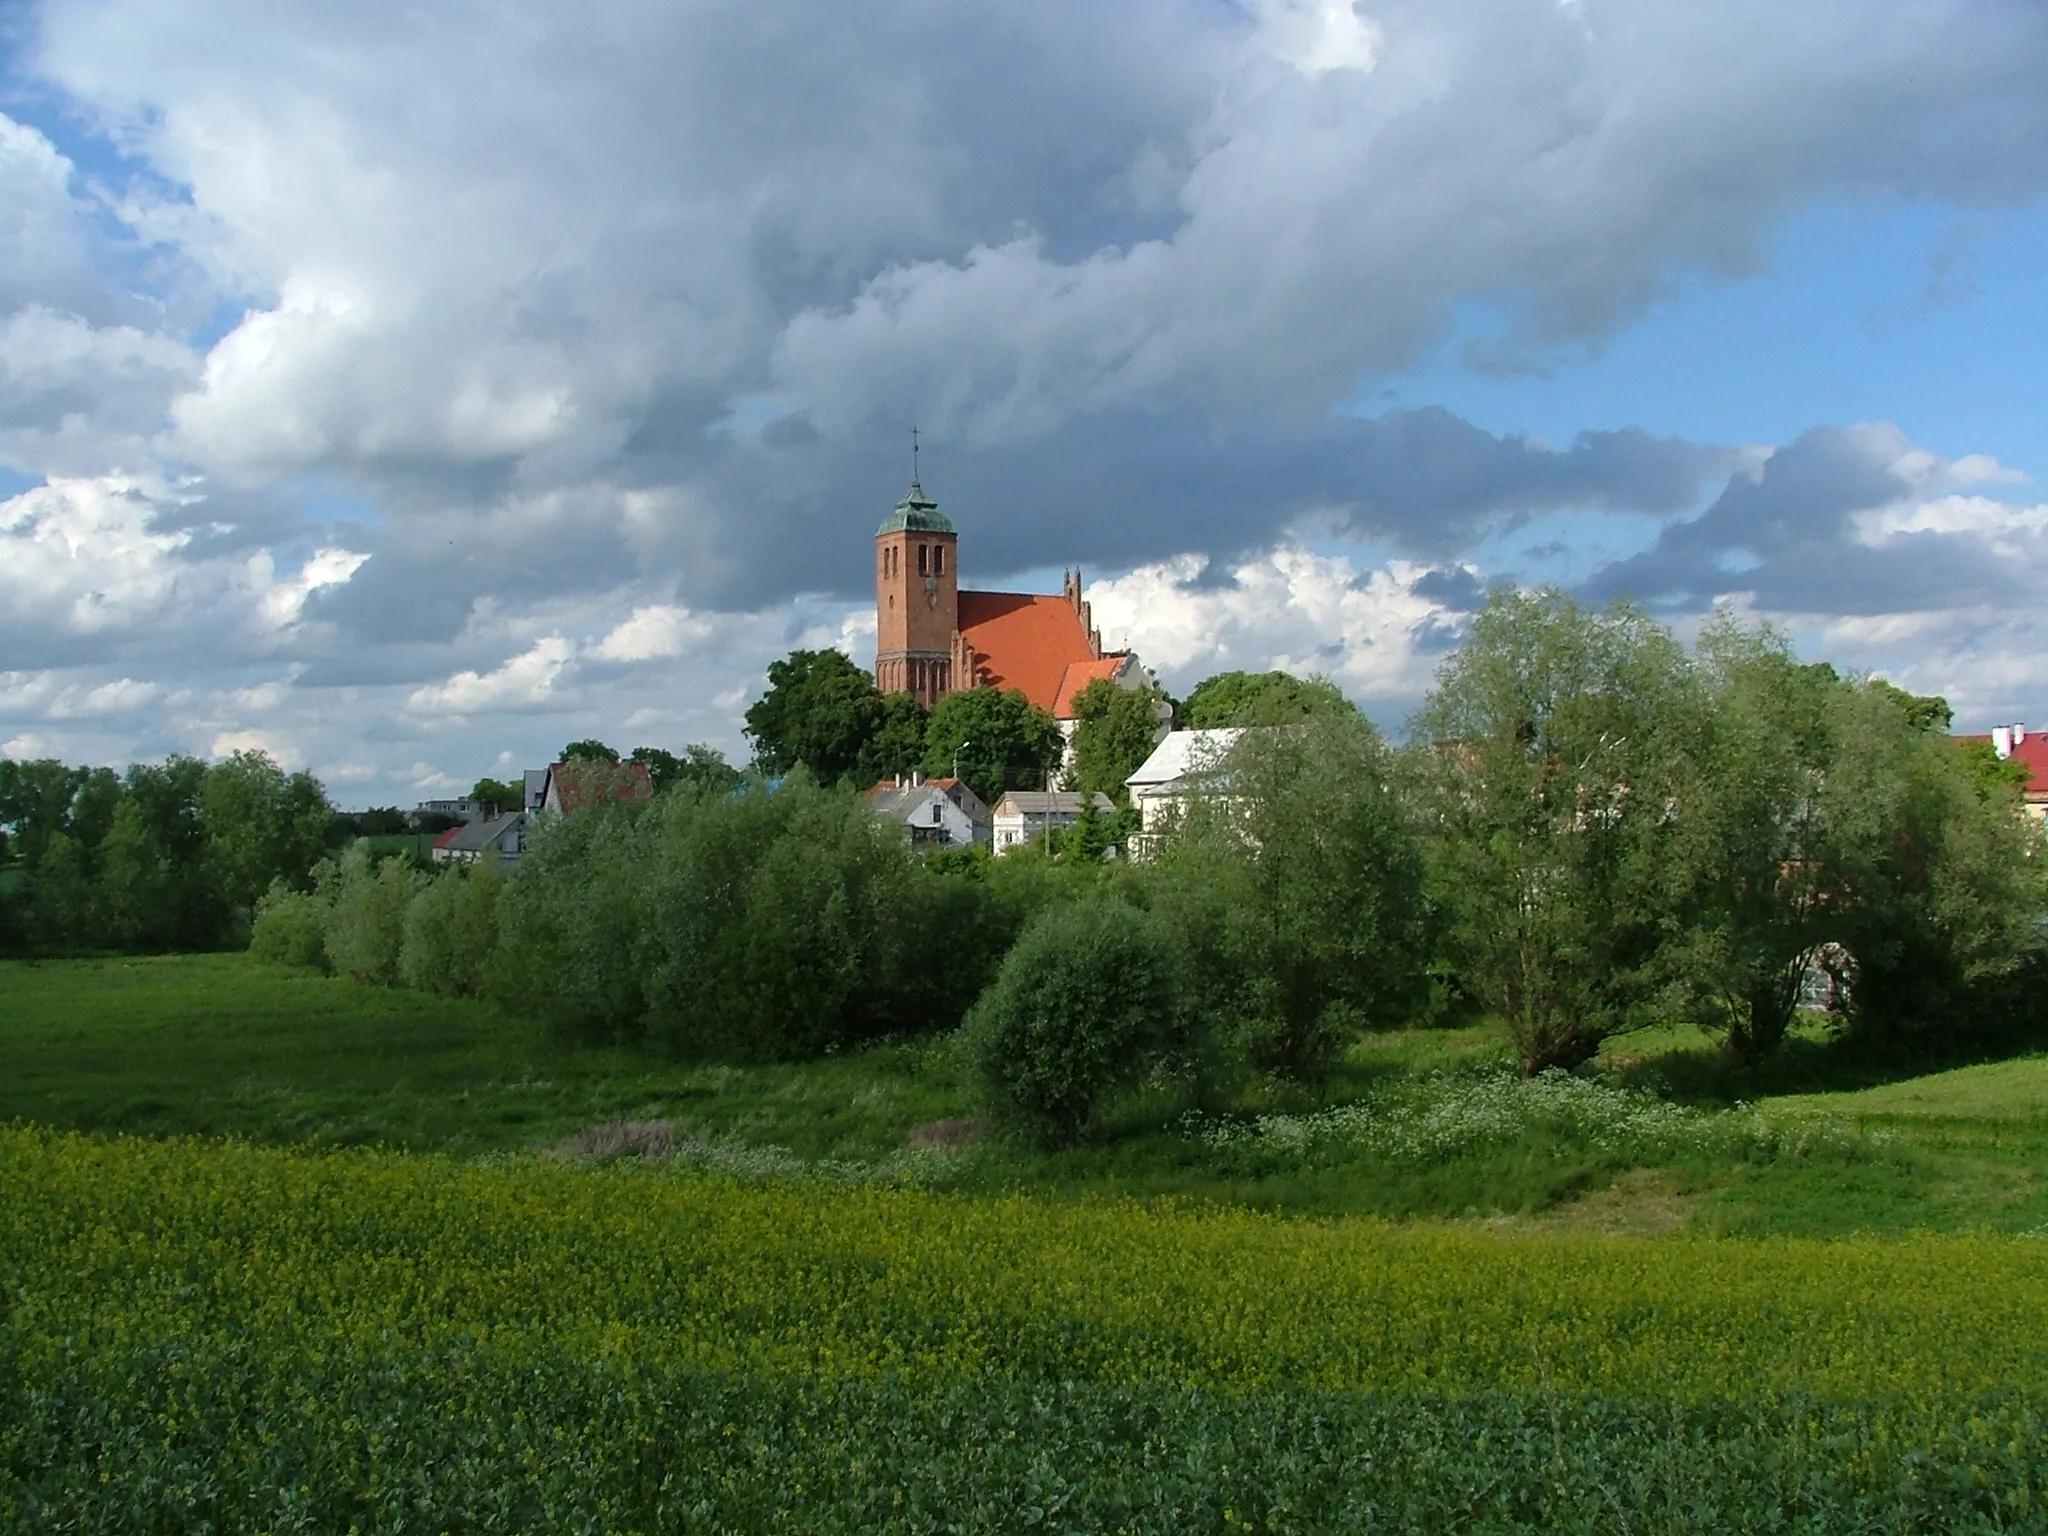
(938, 559)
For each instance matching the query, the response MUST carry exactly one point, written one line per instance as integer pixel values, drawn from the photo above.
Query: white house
(936, 813)
(1027, 815)
(1184, 764)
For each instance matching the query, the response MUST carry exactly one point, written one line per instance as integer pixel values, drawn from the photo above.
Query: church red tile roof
(1079, 675)
(1029, 643)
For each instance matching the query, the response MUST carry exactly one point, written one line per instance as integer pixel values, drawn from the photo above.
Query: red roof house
(572, 786)
(2015, 743)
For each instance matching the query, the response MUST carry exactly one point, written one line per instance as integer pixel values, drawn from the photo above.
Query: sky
(408, 390)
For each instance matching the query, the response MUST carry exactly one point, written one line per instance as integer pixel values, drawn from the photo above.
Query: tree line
(1591, 828)
(175, 855)
(163, 856)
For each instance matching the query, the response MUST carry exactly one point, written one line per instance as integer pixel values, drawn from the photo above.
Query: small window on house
(935, 813)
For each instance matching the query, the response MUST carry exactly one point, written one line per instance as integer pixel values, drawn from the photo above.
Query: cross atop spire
(913, 454)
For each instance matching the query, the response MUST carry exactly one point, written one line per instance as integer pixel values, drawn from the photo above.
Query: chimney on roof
(2001, 740)
(2019, 732)
(917, 779)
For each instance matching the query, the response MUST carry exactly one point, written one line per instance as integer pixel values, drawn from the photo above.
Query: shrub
(782, 925)
(749, 926)
(571, 925)
(451, 928)
(365, 931)
(290, 927)
(1081, 1009)
(1296, 895)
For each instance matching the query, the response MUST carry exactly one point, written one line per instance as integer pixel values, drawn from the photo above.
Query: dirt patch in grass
(619, 1138)
(1644, 1202)
(945, 1135)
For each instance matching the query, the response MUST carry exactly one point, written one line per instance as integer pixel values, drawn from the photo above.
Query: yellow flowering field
(121, 1242)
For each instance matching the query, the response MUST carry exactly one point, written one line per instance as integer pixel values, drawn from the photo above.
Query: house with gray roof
(491, 840)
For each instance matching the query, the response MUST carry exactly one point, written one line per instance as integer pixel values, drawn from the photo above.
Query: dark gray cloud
(1453, 586)
(1795, 533)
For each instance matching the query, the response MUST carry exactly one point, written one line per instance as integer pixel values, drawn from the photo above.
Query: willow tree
(1760, 848)
(1548, 764)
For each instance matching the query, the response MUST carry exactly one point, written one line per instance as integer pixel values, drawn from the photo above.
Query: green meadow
(1417, 1124)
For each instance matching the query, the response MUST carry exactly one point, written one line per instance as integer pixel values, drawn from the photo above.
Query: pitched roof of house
(1025, 641)
(1050, 802)
(579, 784)
(1180, 753)
(476, 836)
(889, 798)
(1079, 675)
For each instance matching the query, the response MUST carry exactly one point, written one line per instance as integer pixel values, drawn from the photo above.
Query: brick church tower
(917, 600)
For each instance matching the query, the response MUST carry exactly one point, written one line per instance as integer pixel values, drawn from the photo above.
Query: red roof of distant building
(2033, 752)
(580, 784)
(450, 835)
(1079, 675)
(1024, 641)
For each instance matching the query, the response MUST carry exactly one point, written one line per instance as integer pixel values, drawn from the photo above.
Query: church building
(932, 638)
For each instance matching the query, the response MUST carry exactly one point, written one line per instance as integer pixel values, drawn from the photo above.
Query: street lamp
(956, 757)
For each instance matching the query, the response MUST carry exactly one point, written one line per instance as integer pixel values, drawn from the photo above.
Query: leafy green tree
(94, 805)
(1082, 1008)
(1115, 730)
(1922, 712)
(1092, 834)
(136, 883)
(290, 926)
(261, 824)
(505, 796)
(1754, 851)
(700, 767)
(820, 710)
(36, 799)
(1547, 765)
(1941, 887)
(663, 767)
(451, 927)
(898, 743)
(589, 750)
(1296, 889)
(1992, 774)
(573, 923)
(1000, 739)
(64, 894)
(365, 933)
(1260, 698)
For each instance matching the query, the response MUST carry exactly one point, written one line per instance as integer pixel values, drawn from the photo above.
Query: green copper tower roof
(916, 513)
